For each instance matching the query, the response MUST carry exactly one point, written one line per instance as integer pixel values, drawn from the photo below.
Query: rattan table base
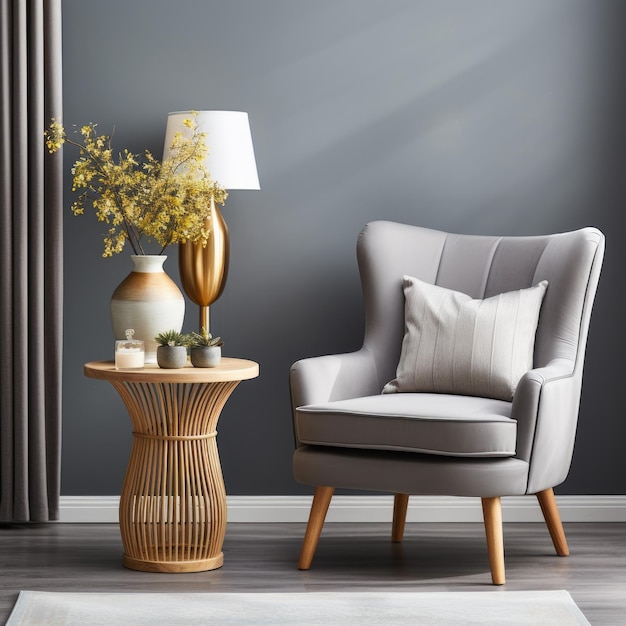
(173, 501)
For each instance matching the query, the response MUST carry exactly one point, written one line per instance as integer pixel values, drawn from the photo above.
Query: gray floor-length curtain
(30, 262)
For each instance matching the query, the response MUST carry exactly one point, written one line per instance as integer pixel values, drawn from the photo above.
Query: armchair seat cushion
(427, 423)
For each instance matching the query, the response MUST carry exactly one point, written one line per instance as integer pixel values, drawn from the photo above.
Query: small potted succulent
(172, 349)
(206, 351)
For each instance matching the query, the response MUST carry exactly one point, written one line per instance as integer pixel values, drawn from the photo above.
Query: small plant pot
(171, 357)
(206, 356)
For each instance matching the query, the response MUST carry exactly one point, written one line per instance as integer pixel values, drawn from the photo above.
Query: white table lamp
(231, 163)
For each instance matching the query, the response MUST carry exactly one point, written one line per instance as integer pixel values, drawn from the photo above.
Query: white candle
(129, 358)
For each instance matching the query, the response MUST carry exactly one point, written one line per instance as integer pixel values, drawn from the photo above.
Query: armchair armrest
(546, 409)
(333, 377)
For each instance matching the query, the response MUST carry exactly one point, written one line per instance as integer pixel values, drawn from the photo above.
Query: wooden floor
(360, 557)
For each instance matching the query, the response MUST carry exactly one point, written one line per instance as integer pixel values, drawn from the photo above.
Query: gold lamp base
(203, 270)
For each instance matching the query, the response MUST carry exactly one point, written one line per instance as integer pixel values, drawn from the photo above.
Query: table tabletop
(229, 369)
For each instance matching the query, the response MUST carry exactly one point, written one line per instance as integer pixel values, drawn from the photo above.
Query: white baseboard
(439, 509)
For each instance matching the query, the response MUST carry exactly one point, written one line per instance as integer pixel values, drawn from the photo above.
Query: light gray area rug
(35, 608)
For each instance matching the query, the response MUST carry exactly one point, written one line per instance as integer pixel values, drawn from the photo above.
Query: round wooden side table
(173, 502)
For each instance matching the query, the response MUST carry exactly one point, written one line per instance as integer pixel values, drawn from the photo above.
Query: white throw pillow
(455, 344)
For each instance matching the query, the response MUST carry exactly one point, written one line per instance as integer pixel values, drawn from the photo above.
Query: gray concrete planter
(171, 357)
(206, 356)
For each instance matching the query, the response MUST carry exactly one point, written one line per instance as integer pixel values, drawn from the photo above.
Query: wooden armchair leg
(492, 515)
(400, 505)
(550, 511)
(319, 508)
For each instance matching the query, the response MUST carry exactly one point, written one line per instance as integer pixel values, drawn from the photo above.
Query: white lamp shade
(231, 159)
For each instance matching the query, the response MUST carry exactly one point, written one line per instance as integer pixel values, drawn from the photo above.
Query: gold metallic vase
(203, 270)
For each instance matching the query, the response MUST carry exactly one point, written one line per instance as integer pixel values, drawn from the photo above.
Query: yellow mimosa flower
(167, 202)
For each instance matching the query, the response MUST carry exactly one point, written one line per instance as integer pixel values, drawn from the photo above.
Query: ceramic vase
(149, 302)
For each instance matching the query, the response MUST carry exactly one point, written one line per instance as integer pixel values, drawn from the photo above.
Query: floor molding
(104, 509)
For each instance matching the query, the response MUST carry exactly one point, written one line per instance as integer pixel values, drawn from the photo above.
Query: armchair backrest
(479, 266)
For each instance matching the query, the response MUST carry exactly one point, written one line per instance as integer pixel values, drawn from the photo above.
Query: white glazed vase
(148, 301)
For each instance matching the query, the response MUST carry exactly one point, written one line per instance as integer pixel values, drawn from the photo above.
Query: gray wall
(484, 116)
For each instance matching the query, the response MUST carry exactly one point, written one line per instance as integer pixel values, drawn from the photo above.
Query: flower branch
(167, 202)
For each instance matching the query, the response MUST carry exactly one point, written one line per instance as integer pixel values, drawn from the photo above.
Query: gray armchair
(350, 435)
